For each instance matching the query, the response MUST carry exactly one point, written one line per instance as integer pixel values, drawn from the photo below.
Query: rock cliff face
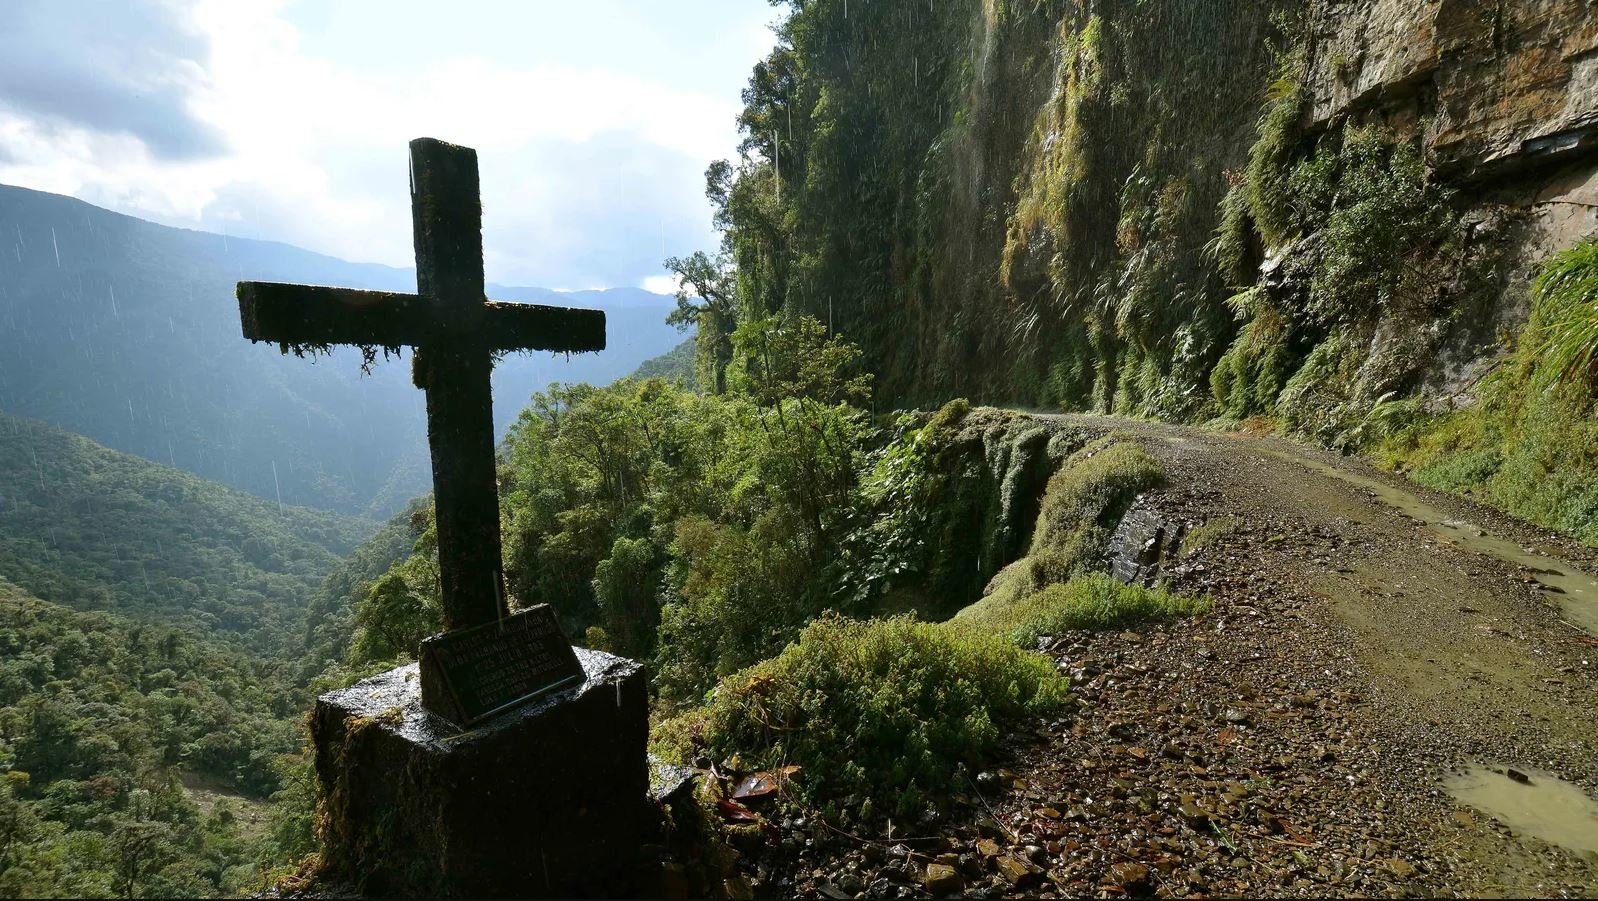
(1493, 87)
(1502, 96)
(1180, 208)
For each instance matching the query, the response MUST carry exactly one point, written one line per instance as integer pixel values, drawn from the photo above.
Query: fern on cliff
(1567, 293)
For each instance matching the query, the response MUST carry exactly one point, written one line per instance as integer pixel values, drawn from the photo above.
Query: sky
(288, 120)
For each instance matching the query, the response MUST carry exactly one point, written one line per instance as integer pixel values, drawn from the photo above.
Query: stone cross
(456, 334)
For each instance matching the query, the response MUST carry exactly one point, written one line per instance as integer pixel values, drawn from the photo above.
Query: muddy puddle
(1574, 591)
(1531, 802)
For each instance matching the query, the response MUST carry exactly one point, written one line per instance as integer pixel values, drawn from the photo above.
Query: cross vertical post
(447, 222)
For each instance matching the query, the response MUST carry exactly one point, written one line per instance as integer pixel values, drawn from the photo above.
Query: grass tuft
(1089, 603)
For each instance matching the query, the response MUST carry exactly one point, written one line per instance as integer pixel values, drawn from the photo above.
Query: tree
(706, 299)
(138, 848)
(392, 619)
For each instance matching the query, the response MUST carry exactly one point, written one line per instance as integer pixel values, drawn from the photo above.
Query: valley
(127, 332)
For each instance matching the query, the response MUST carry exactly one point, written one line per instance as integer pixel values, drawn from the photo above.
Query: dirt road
(1394, 695)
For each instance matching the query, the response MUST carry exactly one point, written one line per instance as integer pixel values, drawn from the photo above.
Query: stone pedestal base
(550, 799)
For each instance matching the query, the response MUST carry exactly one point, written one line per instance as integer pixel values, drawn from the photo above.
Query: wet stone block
(1142, 543)
(548, 799)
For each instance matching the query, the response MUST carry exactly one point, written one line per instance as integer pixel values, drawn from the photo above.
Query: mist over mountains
(127, 332)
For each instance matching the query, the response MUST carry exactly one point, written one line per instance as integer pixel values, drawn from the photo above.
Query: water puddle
(1574, 591)
(1543, 805)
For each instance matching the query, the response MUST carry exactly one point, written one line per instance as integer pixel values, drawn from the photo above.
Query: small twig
(1291, 842)
(1014, 836)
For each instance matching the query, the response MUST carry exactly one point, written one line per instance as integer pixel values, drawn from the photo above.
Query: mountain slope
(127, 332)
(94, 529)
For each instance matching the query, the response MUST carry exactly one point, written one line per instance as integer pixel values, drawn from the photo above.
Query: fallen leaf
(736, 812)
(762, 783)
(1296, 835)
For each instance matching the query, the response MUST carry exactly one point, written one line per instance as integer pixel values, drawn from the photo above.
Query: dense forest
(163, 636)
(106, 724)
(94, 529)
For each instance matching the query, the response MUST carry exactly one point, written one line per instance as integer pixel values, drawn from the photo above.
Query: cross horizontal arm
(529, 326)
(313, 314)
(317, 315)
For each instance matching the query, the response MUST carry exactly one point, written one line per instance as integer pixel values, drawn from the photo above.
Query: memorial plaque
(468, 675)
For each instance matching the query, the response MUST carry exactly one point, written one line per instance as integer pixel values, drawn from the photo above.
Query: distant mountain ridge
(127, 332)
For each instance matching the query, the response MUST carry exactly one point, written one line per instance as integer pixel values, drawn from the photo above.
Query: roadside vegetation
(1092, 602)
(1529, 442)
(784, 561)
(890, 711)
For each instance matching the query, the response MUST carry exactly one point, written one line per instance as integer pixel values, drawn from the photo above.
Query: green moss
(1082, 504)
(948, 416)
(890, 710)
(1084, 501)
(1092, 602)
(951, 502)
(1209, 532)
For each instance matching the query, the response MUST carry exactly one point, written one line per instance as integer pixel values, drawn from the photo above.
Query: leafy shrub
(1234, 247)
(399, 610)
(1382, 218)
(625, 587)
(890, 710)
(1270, 198)
(740, 596)
(1091, 602)
(1254, 369)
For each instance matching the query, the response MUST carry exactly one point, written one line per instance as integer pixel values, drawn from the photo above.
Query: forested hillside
(128, 332)
(100, 718)
(1326, 216)
(159, 636)
(94, 529)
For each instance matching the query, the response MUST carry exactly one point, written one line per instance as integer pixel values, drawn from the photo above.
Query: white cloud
(586, 168)
(661, 284)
